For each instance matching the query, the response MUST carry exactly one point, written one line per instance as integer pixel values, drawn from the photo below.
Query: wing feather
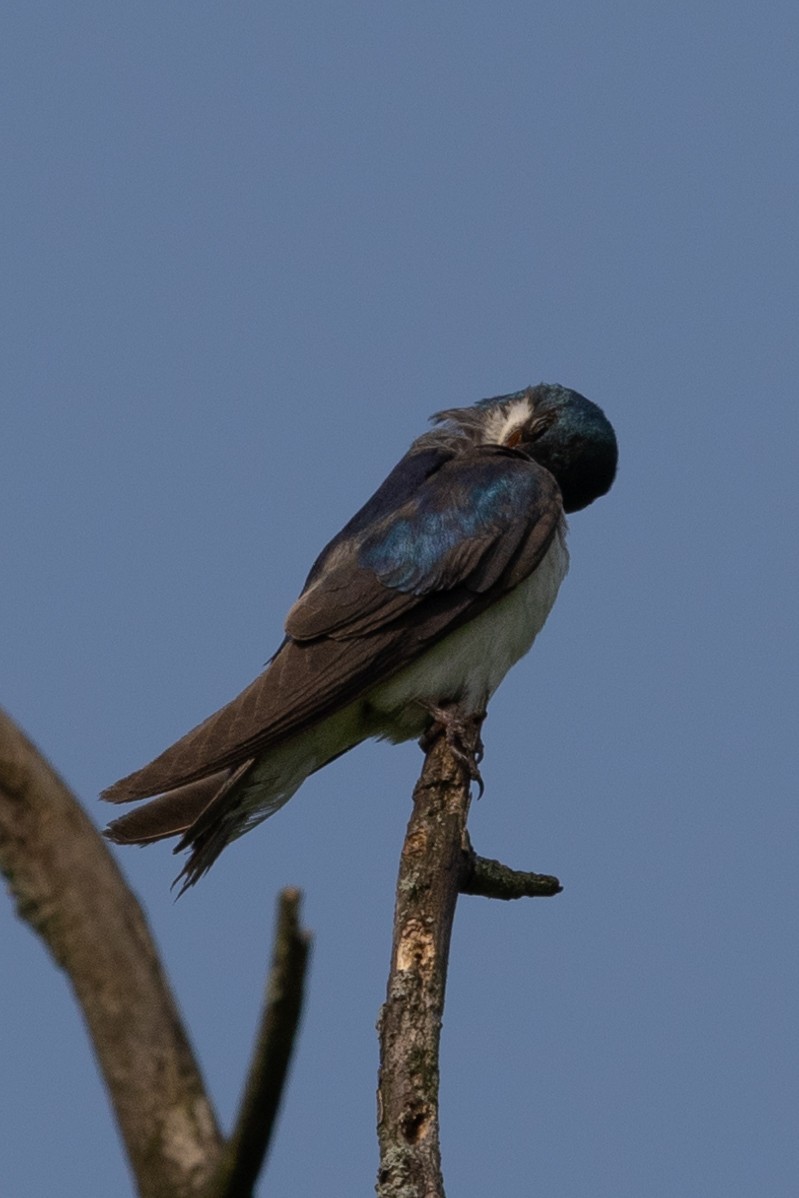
(443, 544)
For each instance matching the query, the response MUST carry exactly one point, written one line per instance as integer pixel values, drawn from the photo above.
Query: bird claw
(462, 734)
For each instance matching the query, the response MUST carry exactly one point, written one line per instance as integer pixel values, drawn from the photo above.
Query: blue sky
(247, 250)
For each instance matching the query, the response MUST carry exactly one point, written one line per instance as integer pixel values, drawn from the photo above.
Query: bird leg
(462, 734)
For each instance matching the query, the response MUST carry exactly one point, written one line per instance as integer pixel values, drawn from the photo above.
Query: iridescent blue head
(560, 429)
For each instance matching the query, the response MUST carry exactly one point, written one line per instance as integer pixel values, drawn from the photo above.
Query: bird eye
(538, 427)
(514, 438)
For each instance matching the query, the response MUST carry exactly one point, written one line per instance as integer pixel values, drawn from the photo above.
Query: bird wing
(461, 527)
(443, 538)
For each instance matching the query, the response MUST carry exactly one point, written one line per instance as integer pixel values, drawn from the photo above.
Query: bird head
(560, 429)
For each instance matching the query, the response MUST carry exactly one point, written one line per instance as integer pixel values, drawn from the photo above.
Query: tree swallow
(419, 607)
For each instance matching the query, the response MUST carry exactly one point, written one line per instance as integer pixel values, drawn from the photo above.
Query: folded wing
(443, 538)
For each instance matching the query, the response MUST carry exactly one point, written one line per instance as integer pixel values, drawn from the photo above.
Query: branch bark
(437, 863)
(68, 888)
(492, 879)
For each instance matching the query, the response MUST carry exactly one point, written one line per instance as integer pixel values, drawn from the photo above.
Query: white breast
(469, 665)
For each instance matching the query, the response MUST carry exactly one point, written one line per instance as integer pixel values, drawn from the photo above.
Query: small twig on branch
(69, 889)
(245, 1152)
(492, 879)
(437, 864)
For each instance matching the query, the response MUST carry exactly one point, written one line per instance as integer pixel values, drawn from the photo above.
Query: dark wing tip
(141, 827)
(171, 814)
(117, 793)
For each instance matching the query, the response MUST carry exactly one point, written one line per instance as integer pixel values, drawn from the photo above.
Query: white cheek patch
(503, 424)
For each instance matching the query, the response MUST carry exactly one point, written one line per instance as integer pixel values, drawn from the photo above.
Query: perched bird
(408, 621)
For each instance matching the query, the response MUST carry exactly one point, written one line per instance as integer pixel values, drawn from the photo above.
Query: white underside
(465, 668)
(468, 666)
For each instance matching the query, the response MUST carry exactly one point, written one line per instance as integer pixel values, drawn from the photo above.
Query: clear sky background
(247, 249)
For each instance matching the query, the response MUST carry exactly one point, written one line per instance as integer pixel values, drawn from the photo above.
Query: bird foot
(462, 734)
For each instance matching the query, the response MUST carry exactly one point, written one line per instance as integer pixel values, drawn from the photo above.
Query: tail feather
(208, 813)
(171, 814)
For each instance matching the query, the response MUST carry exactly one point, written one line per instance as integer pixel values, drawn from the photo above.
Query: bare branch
(437, 863)
(246, 1150)
(69, 889)
(410, 1021)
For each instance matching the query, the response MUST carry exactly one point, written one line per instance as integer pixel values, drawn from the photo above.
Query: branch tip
(245, 1152)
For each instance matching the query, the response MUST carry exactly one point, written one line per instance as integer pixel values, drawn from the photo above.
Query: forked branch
(69, 889)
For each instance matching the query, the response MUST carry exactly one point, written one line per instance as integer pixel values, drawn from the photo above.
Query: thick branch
(246, 1150)
(410, 1021)
(437, 863)
(69, 889)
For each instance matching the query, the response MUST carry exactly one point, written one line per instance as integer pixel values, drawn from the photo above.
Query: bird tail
(206, 814)
(209, 813)
(171, 814)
